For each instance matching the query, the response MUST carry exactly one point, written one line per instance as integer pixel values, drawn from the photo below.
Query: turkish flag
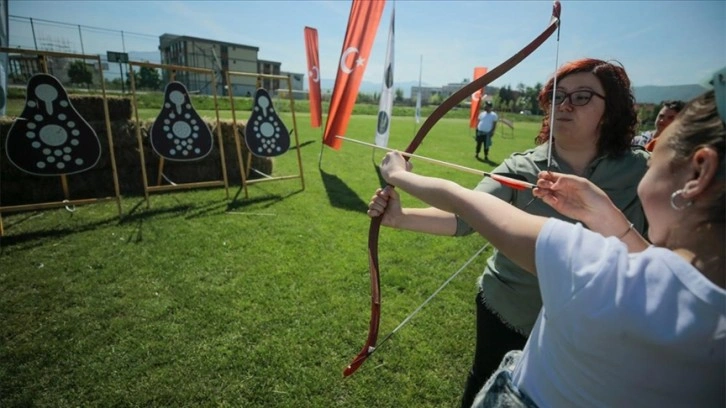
(476, 98)
(311, 48)
(362, 26)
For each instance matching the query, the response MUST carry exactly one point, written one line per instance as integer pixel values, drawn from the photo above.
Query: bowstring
(552, 105)
(433, 295)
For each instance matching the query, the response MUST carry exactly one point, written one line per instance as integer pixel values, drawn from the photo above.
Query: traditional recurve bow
(437, 114)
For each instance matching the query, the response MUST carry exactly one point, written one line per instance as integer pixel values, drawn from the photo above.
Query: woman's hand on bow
(394, 162)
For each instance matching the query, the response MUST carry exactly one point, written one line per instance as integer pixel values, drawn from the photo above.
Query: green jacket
(513, 293)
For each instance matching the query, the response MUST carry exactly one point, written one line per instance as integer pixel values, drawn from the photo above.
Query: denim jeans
(499, 391)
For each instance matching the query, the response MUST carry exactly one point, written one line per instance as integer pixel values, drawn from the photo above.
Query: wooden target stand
(508, 123)
(42, 57)
(245, 169)
(217, 129)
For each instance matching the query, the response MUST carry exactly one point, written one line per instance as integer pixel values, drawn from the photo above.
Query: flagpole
(322, 132)
(417, 115)
(322, 145)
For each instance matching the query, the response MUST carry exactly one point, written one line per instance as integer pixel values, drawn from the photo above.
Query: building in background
(221, 57)
(426, 93)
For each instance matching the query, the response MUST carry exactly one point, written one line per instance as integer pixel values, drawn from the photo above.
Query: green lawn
(258, 302)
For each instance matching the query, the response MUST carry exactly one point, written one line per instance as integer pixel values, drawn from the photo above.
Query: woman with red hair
(594, 123)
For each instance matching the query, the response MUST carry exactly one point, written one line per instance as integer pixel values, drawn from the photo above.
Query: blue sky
(658, 42)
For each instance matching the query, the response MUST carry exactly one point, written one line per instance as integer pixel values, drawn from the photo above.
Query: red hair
(618, 123)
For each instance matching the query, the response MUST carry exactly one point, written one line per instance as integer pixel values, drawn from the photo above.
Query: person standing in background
(668, 112)
(485, 129)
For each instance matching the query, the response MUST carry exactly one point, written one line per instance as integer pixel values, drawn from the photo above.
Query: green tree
(399, 95)
(79, 73)
(521, 88)
(534, 102)
(523, 102)
(505, 93)
(435, 99)
(148, 78)
(647, 113)
(365, 98)
(497, 100)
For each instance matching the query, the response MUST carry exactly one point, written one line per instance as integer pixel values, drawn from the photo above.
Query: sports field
(206, 301)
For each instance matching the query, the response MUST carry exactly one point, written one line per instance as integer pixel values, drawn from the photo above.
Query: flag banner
(385, 105)
(362, 26)
(476, 98)
(311, 48)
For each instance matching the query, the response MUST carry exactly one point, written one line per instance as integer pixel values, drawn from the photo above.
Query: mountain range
(658, 94)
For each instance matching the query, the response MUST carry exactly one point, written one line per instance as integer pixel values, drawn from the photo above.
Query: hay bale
(91, 107)
(18, 187)
(263, 164)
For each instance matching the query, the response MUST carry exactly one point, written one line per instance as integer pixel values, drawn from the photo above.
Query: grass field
(202, 301)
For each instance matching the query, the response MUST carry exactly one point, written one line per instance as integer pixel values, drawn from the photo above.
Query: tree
(521, 88)
(365, 98)
(523, 102)
(79, 73)
(505, 93)
(399, 95)
(148, 78)
(535, 101)
(647, 113)
(435, 99)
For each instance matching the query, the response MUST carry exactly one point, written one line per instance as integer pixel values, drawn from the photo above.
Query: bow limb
(485, 79)
(436, 115)
(370, 346)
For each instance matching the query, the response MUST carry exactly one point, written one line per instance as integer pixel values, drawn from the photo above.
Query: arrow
(507, 181)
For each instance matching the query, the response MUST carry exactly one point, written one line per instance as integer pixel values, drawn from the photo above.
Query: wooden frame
(218, 130)
(63, 179)
(244, 170)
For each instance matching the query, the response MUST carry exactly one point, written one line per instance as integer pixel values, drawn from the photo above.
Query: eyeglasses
(577, 98)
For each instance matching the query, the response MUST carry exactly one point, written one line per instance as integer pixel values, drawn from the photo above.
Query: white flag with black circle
(383, 127)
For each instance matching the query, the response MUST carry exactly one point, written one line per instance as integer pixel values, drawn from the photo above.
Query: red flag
(476, 98)
(311, 47)
(362, 26)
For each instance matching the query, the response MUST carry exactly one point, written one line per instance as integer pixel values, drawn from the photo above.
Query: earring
(678, 203)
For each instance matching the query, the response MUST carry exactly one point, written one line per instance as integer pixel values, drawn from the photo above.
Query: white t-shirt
(486, 121)
(622, 330)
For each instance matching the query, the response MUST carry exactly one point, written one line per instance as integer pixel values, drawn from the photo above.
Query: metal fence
(46, 35)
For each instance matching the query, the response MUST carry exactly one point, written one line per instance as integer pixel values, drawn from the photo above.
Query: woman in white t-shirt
(623, 322)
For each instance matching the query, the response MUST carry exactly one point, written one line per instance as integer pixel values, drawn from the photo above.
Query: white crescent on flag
(343, 67)
(359, 36)
(314, 74)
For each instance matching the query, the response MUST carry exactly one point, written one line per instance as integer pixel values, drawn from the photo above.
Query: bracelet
(630, 227)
